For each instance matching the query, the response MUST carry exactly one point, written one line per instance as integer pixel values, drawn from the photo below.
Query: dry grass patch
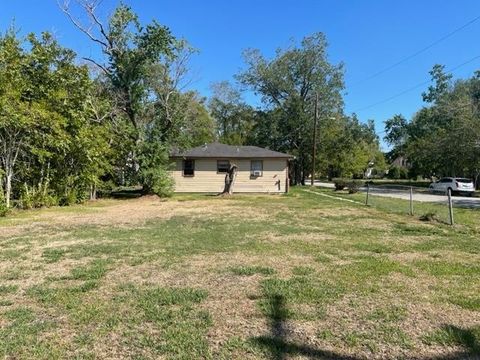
(250, 277)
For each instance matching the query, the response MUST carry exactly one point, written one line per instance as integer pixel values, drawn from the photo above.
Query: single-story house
(203, 169)
(401, 161)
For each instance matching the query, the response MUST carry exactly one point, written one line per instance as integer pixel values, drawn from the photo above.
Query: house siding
(207, 180)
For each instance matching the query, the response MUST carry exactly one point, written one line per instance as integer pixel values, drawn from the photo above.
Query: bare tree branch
(86, 30)
(104, 69)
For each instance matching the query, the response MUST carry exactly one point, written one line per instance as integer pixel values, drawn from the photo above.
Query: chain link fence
(416, 201)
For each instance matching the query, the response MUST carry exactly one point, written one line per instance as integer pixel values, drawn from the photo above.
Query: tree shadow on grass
(468, 339)
(277, 343)
(279, 347)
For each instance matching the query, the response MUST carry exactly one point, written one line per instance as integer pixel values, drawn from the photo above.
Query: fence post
(368, 191)
(411, 200)
(450, 207)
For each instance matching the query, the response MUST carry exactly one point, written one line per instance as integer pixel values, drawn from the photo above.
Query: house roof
(217, 150)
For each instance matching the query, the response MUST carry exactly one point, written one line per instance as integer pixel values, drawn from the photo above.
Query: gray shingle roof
(217, 150)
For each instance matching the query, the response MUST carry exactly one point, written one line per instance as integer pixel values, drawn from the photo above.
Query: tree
(15, 116)
(130, 51)
(396, 131)
(233, 116)
(50, 143)
(289, 83)
(167, 80)
(347, 148)
(441, 87)
(442, 138)
(179, 114)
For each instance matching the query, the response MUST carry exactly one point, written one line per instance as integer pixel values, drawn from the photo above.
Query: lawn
(246, 277)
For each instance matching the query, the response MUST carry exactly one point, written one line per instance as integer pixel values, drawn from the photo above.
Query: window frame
(193, 168)
(252, 176)
(223, 160)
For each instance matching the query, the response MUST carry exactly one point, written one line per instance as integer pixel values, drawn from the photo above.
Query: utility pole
(314, 148)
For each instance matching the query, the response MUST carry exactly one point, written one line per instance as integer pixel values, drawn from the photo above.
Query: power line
(415, 86)
(405, 59)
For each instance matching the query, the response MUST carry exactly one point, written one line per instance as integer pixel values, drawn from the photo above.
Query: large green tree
(50, 144)
(234, 118)
(289, 84)
(129, 52)
(443, 137)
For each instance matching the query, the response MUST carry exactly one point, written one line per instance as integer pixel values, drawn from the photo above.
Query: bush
(69, 198)
(353, 186)
(36, 197)
(162, 183)
(340, 184)
(396, 172)
(157, 181)
(429, 216)
(3, 204)
(105, 189)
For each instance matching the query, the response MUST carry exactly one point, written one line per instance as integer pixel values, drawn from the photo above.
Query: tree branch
(78, 25)
(104, 69)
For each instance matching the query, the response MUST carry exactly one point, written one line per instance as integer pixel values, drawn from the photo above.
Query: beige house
(203, 169)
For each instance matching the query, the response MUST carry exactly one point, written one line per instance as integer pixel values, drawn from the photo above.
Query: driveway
(418, 195)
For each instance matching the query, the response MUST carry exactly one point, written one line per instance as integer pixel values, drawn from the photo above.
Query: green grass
(53, 255)
(248, 276)
(93, 271)
(462, 216)
(469, 338)
(21, 336)
(251, 270)
(7, 289)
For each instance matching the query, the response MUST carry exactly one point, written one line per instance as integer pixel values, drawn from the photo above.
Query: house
(203, 169)
(401, 162)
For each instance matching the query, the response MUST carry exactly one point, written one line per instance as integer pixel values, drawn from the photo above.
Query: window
(223, 166)
(188, 167)
(256, 168)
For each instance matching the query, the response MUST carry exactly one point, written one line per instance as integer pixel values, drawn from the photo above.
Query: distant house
(401, 162)
(203, 169)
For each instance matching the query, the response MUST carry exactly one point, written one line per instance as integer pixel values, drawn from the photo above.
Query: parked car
(460, 186)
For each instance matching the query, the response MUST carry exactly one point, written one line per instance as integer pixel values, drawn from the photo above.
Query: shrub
(69, 198)
(429, 216)
(396, 172)
(353, 186)
(36, 197)
(162, 183)
(105, 189)
(3, 204)
(340, 184)
(26, 199)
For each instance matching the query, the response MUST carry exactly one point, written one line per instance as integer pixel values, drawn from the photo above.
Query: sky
(366, 36)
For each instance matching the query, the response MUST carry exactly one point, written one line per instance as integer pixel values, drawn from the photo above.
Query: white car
(455, 185)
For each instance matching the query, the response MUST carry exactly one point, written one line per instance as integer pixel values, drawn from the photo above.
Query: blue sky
(366, 36)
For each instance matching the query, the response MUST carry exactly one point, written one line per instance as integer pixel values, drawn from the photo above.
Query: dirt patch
(134, 212)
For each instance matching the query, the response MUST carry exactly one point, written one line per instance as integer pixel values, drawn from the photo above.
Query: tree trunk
(230, 177)
(297, 179)
(93, 192)
(8, 188)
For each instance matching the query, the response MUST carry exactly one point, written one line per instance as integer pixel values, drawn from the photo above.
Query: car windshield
(461, 180)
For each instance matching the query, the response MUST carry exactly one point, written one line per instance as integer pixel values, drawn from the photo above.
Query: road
(458, 201)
